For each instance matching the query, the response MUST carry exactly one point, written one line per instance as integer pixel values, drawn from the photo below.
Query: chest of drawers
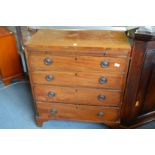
(78, 75)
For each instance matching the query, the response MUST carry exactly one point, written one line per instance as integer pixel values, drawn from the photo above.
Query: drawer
(77, 63)
(77, 95)
(96, 80)
(77, 112)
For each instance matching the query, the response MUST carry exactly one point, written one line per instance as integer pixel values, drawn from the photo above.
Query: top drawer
(77, 63)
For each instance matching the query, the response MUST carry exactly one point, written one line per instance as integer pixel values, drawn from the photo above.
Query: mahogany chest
(78, 75)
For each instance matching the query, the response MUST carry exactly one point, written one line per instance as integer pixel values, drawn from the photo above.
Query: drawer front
(77, 63)
(77, 112)
(77, 95)
(96, 80)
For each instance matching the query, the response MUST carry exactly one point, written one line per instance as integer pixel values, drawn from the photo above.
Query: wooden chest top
(78, 40)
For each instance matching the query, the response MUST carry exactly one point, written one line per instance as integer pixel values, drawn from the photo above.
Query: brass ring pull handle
(53, 111)
(49, 77)
(51, 94)
(103, 80)
(47, 61)
(101, 97)
(100, 114)
(104, 64)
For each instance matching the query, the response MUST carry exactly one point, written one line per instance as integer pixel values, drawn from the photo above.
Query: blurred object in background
(22, 34)
(10, 61)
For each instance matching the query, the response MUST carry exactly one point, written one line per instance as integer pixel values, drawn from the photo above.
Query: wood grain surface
(78, 63)
(77, 95)
(83, 79)
(77, 112)
(78, 39)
